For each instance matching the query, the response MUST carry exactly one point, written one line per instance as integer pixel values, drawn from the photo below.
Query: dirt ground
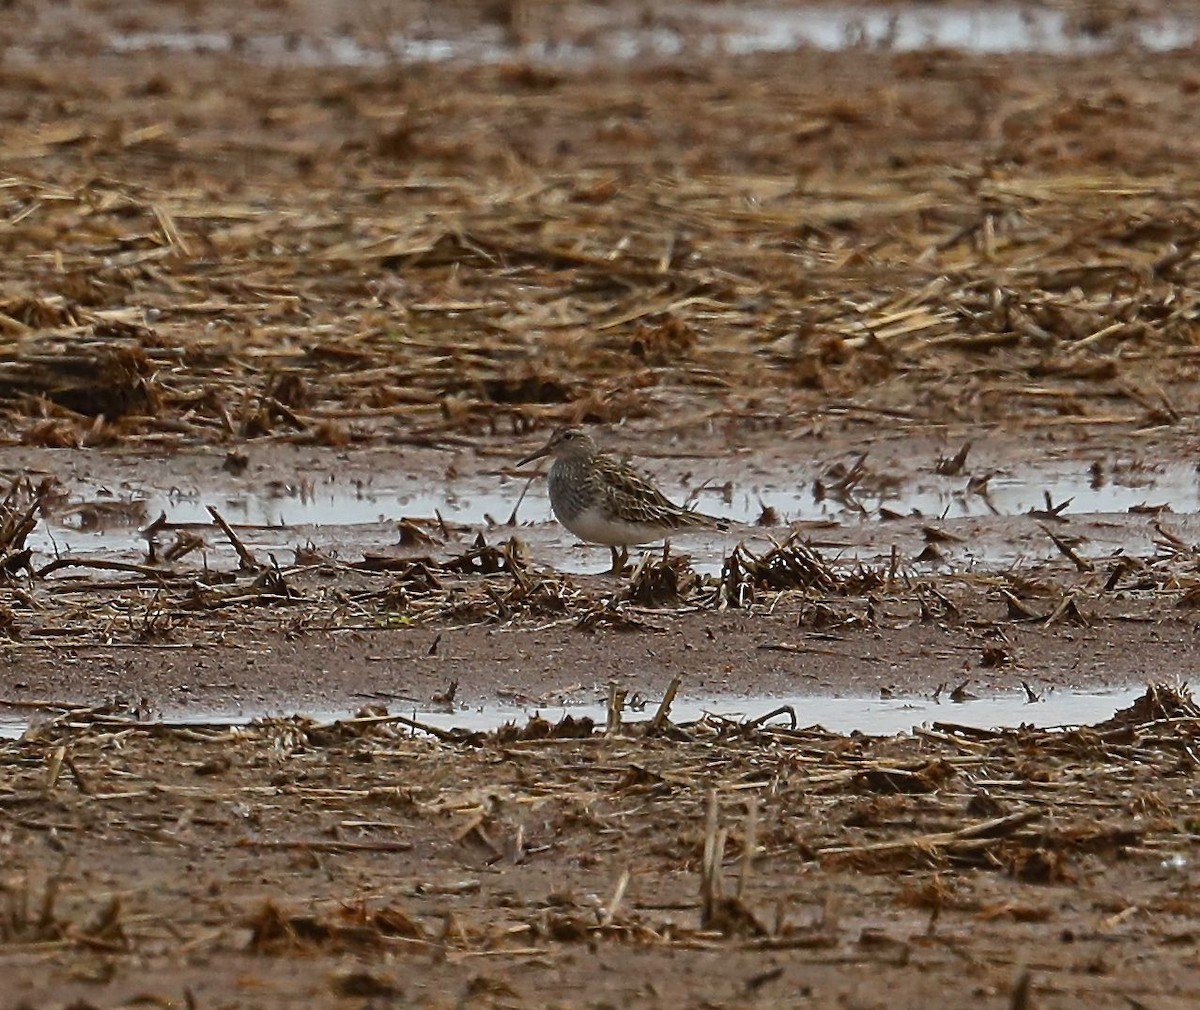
(922, 322)
(296, 864)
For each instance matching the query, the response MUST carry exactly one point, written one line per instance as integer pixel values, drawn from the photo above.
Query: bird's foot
(620, 558)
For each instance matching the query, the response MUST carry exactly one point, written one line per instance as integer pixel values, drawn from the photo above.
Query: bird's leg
(619, 560)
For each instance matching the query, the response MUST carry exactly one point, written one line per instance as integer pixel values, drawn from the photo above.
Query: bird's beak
(543, 451)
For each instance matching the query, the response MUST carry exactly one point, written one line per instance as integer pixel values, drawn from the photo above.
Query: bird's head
(565, 443)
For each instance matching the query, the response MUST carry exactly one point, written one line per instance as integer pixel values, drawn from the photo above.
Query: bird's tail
(690, 518)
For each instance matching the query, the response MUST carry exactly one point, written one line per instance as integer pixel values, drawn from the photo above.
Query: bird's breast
(595, 526)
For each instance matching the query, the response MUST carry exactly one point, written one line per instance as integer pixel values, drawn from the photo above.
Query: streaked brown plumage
(605, 501)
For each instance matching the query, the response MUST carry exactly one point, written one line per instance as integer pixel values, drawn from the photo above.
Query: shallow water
(11, 726)
(884, 716)
(1015, 493)
(877, 716)
(994, 28)
(349, 515)
(704, 29)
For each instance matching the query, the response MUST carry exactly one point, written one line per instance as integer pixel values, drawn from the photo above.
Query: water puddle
(351, 516)
(12, 727)
(998, 28)
(682, 29)
(279, 518)
(1016, 493)
(330, 504)
(281, 511)
(874, 716)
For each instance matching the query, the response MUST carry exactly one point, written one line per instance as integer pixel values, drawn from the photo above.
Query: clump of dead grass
(791, 565)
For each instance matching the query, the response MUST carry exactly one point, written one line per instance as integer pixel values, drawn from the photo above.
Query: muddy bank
(348, 578)
(716, 656)
(357, 863)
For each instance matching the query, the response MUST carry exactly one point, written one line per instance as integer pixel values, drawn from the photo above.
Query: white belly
(594, 527)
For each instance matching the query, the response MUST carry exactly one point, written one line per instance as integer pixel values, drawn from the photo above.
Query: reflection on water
(840, 715)
(339, 505)
(12, 727)
(706, 29)
(793, 500)
(995, 28)
(351, 516)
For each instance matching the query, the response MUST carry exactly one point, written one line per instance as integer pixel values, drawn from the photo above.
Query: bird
(603, 500)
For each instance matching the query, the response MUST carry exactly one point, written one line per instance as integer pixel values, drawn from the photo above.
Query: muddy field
(908, 293)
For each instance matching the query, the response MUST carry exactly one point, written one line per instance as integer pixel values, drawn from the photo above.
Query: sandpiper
(604, 501)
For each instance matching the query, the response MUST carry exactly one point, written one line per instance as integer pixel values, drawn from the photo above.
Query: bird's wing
(631, 496)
